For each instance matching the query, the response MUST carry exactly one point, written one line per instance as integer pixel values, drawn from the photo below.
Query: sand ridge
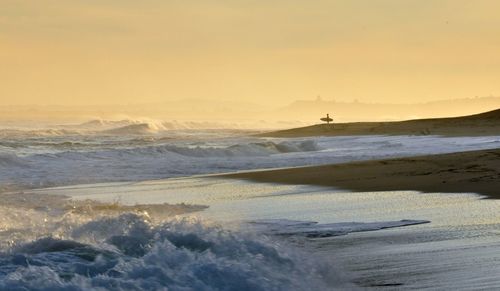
(482, 124)
(463, 172)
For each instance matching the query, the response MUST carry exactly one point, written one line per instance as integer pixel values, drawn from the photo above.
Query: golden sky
(269, 52)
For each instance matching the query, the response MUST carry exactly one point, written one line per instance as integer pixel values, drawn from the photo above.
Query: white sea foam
(74, 250)
(104, 126)
(74, 159)
(47, 247)
(49, 132)
(458, 249)
(313, 229)
(140, 128)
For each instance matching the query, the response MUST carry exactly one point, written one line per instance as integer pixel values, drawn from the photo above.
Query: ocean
(89, 206)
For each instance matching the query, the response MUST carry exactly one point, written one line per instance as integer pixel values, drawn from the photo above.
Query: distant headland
(487, 123)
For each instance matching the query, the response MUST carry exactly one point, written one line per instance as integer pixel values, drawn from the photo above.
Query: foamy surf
(313, 229)
(130, 253)
(458, 249)
(71, 245)
(95, 243)
(34, 161)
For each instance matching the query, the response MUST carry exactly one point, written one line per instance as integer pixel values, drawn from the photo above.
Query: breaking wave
(81, 162)
(152, 126)
(238, 150)
(37, 132)
(144, 126)
(246, 150)
(141, 128)
(132, 252)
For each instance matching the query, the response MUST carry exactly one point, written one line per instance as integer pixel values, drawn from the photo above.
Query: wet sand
(474, 125)
(464, 172)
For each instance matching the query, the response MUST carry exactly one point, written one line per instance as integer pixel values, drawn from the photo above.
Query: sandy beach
(464, 172)
(482, 124)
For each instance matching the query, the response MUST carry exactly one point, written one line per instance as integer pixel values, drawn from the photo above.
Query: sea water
(392, 240)
(95, 152)
(251, 237)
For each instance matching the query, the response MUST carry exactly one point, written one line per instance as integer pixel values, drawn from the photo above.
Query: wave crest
(129, 252)
(137, 129)
(246, 150)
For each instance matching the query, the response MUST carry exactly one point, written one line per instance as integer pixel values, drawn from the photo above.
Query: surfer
(327, 119)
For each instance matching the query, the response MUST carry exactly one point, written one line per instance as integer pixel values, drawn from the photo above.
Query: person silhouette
(327, 119)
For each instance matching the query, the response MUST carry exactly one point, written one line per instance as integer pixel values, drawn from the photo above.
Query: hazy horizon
(260, 105)
(224, 112)
(81, 53)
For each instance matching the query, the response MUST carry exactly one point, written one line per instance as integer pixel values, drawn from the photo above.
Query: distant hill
(493, 115)
(487, 123)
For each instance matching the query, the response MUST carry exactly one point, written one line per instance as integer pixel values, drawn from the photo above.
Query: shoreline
(461, 172)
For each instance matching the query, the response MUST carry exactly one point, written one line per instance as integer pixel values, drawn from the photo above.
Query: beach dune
(487, 123)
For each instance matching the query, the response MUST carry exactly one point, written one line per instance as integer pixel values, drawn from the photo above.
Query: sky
(86, 52)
